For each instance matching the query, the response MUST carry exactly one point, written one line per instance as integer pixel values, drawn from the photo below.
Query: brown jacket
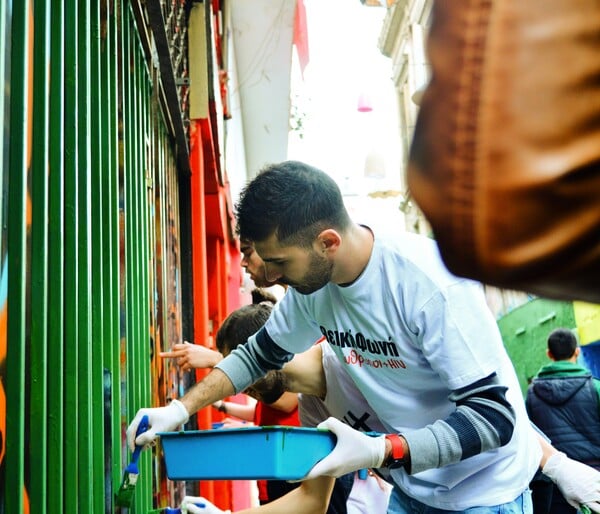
(505, 161)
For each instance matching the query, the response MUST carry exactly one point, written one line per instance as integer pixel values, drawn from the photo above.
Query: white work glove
(160, 419)
(353, 450)
(200, 505)
(578, 483)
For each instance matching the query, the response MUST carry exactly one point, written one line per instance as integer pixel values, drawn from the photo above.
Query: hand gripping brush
(124, 497)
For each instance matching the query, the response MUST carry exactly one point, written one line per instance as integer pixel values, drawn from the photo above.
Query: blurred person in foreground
(505, 156)
(420, 344)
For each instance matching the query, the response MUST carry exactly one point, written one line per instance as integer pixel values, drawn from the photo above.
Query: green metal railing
(17, 261)
(93, 275)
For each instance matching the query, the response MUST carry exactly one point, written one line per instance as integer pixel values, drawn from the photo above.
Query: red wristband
(396, 458)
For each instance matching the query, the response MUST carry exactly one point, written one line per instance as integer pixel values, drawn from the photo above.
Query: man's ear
(328, 240)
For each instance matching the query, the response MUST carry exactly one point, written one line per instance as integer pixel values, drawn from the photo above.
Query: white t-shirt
(408, 333)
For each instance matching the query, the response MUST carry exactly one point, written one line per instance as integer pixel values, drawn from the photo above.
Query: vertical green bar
(128, 237)
(98, 163)
(56, 262)
(132, 222)
(134, 273)
(144, 257)
(85, 391)
(131, 376)
(17, 258)
(71, 469)
(136, 341)
(137, 119)
(37, 376)
(110, 200)
(134, 212)
(139, 145)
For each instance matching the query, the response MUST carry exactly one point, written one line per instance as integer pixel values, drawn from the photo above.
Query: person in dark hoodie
(563, 400)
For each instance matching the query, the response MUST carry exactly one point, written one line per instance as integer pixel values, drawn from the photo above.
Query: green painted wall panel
(524, 332)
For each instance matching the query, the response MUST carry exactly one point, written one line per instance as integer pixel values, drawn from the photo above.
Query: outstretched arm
(238, 370)
(311, 497)
(192, 356)
(242, 411)
(578, 483)
(215, 386)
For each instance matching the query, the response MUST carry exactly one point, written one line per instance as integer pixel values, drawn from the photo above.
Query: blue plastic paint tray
(248, 453)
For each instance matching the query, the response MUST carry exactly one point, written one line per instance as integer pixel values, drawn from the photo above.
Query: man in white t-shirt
(420, 345)
(327, 390)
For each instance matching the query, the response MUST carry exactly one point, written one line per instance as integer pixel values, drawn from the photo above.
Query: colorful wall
(587, 320)
(525, 329)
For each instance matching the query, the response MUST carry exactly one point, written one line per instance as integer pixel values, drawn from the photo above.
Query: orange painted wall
(217, 276)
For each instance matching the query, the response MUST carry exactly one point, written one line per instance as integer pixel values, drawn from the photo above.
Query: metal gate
(91, 250)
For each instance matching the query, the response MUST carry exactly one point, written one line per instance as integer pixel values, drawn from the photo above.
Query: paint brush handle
(142, 427)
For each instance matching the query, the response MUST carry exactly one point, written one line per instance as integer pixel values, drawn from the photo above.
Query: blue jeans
(400, 503)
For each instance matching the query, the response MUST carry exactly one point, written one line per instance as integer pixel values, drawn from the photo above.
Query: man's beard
(318, 275)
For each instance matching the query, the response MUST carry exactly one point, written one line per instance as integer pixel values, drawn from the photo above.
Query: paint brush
(124, 496)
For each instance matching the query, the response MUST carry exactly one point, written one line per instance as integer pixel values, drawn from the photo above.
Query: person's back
(563, 400)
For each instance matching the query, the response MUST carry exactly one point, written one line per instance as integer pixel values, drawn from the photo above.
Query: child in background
(278, 408)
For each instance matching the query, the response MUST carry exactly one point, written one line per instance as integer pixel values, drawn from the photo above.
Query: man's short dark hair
(562, 343)
(293, 200)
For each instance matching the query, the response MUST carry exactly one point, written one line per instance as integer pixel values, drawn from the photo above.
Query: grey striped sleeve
(483, 420)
